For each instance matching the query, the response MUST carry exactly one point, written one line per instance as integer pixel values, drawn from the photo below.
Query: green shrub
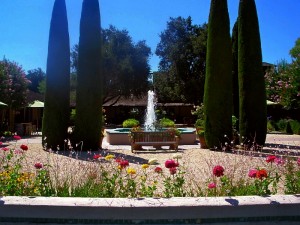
(166, 122)
(295, 125)
(270, 126)
(288, 128)
(281, 124)
(129, 123)
(199, 123)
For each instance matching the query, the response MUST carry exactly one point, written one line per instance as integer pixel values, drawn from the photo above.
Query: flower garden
(30, 170)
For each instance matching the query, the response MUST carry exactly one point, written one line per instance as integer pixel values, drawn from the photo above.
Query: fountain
(119, 136)
(150, 118)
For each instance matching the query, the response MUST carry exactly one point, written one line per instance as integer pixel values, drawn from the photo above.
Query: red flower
(158, 169)
(4, 149)
(38, 165)
(173, 170)
(1, 143)
(252, 173)
(271, 158)
(97, 156)
(171, 163)
(261, 174)
(123, 164)
(212, 185)
(298, 161)
(218, 171)
(24, 147)
(16, 137)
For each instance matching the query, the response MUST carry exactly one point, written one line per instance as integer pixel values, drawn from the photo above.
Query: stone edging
(141, 210)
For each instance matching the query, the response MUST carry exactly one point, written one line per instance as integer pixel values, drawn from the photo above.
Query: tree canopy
(126, 66)
(36, 76)
(182, 52)
(13, 84)
(283, 80)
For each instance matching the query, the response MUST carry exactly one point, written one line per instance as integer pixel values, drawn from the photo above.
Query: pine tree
(57, 95)
(252, 92)
(218, 80)
(88, 120)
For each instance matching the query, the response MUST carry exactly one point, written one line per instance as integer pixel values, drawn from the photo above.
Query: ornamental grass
(30, 170)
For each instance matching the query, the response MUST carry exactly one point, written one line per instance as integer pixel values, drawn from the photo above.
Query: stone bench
(157, 139)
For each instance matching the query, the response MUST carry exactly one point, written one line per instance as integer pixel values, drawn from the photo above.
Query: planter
(202, 141)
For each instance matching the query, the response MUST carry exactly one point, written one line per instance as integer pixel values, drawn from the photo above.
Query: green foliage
(166, 122)
(235, 75)
(292, 176)
(125, 64)
(13, 84)
(129, 123)
(281, 124)
(199, 123)
(182, 52)
(89, 91)
(270, 126)
(57, 96)
(252, 92)
(218, 80)
(295, 126)
(283, 84)
(36, 76)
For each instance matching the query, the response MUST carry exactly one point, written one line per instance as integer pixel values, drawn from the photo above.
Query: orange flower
(261, 174)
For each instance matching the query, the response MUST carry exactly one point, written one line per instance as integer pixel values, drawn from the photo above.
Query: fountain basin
(119, 136)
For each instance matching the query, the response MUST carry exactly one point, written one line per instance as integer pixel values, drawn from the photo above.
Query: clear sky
(24, 24)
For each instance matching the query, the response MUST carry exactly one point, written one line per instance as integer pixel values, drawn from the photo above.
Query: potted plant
(202, 138)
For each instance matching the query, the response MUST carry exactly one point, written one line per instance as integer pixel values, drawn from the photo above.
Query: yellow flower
(152, 161)
(109, 157)
(131, 171)
(145, 166)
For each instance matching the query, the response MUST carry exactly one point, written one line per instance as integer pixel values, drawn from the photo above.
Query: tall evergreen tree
(218, 80)
(235, 76)
(88, 120)
(57, 96)
(253, 117)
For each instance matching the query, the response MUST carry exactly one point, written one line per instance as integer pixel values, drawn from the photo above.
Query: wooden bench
(153, 138)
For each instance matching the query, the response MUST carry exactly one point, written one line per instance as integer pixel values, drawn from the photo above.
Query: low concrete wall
(252, 209)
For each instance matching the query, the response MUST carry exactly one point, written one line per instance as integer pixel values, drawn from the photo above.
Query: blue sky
(24, 24)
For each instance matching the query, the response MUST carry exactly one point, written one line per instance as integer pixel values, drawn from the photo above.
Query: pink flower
(158, 169)
(24, 147)
(252, 173)
(279, 161)
(170, 163)
(298, 161)
(212, 185)
(5, 149)
(271, 158)
(173, 170)
(38, 165)
(16, 137)
(218, 171)
(1, 143)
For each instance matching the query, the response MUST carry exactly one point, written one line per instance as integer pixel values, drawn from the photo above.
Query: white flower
(177, 156)
(152, 161)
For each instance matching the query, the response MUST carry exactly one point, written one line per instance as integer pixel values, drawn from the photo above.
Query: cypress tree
(252, 92)
(57, 96)
(218, 80)
(88, 120)
(235, 76)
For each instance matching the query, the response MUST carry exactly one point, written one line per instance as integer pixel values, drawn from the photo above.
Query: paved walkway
(272, 141)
